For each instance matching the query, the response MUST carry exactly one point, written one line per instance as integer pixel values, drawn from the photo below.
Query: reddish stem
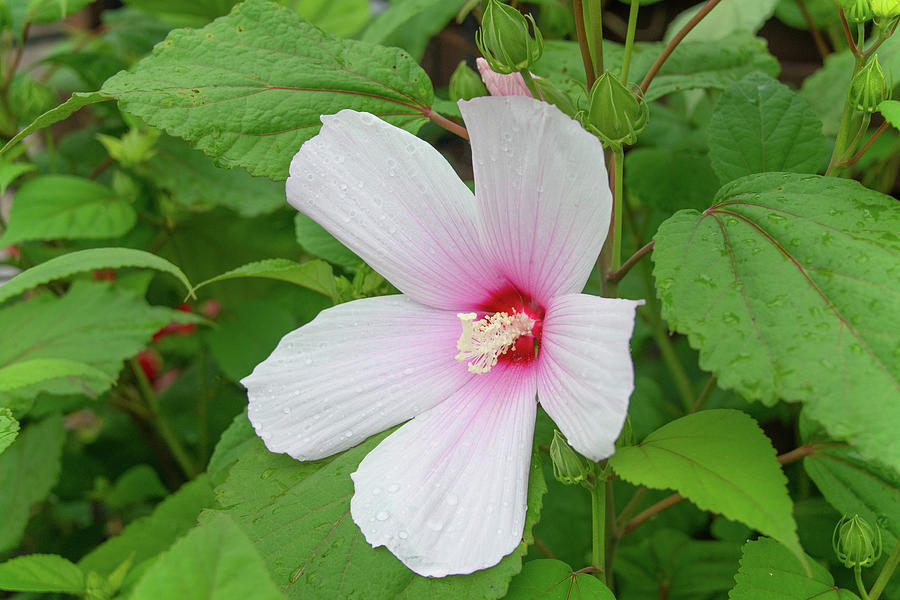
(446, 123)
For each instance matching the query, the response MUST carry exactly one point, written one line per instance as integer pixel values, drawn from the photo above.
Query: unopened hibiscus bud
(465, 84)
(856, 543)
(569, 467)
(886, 13)
(616, 115)
(506, 40)
(869, 88)
(857, 11)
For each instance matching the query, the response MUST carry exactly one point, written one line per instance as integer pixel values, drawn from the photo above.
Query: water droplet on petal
(382, 516)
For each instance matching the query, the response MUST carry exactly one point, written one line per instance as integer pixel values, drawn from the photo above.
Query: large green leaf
(215, 561)
(760, 125)
(196, 182)
(769, 572)
(65, 207)
(146, 537)
(245, 335)
(786, 285)
(410, 24)
(30, 372)
(29, 468)
(315, 274)
(102, 326)
(316, 240)
(548, 579)
(248, 89)
(725, 19)
(298, 515)
(86, 260)
(855, 486)
(720, 460)
(670, 179)
(41, 573)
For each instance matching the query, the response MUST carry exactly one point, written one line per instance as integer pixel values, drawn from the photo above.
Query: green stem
(629, 39)
(841, 143)
(529, 82)
(618, 170)
(159, 423)
(857, 575)
(598, 523)
(583, 45)
(595, 14)
(886, 571)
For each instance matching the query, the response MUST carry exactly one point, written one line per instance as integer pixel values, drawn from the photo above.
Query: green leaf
(411, 23)
(41, 573)
(215, 561)
(234, 442)
(316, 240)
(247, 334)
(769, 572)
(339, 17)
(54, 115)
(9, 172)
(137, 484)
(9, 429)
(297, 514)
(548, 579)
(852, 485)
(890, 110)
(29, 468)
(196, 182)
(728, 17)
(248, 89)
(669, 179)
(29, 372)
(760, 125)
(102, 327)
(146, 537)
(87, 260)
(720, 460)
(785, 285)
(315, 274)
(669, 564)
(205, 9)
(65, 207)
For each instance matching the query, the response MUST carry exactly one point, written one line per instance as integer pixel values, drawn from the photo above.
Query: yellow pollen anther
(483, 341)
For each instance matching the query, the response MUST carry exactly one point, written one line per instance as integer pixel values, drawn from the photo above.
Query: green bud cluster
(616, 115)
(569, 467)
(857, 11)
(509, 41)
(856, 543)
(869, 87)
(885, 9)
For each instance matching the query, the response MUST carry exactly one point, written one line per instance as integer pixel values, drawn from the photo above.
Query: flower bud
(555, 96)
(855, 542)
(505, 38)
(869, 88)
(886, 9)
(569, 467)
(616, 115)
(465, 84)
(857, 11)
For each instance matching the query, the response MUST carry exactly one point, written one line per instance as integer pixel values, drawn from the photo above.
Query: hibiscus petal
(585, 373)
(393, 199)
(355, 370)
(498, 84)
(543, 194)
(446, 493)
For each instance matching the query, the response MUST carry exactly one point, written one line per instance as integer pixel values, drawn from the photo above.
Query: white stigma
(483, 341)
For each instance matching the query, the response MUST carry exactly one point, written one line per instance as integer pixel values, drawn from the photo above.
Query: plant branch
(598, 524)
(886, 571)
(673, 43)
(847, 33)
(629, 40)
(589, 74)
(704, 393)
(446, 123)
(632, 260)
(821, 46)
(17, 58)
(857, 576)
(595, 11)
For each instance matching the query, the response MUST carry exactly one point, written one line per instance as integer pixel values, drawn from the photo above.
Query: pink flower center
(508, 330)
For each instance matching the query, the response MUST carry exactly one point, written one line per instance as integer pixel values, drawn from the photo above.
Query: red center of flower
(512, 301)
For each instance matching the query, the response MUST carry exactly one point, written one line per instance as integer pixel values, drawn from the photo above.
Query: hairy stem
(446, 123)
(673, 43)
